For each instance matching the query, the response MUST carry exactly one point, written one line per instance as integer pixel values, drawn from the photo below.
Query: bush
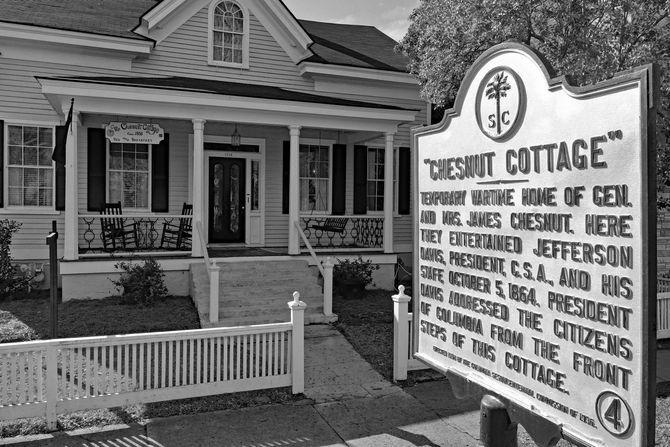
(142, 284)
(355, 273)
(10, 281)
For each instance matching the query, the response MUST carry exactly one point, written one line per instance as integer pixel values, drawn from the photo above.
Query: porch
(153, 236)
(258, 164)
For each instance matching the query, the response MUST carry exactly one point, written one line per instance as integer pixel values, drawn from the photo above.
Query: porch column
(71, 218)
(294, 191)
(198, 179)
(388, 194)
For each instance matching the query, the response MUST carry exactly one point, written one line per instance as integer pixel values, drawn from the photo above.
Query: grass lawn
(367, 322)
(28, 319)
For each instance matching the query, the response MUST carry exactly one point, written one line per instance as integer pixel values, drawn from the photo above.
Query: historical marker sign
(535, 246)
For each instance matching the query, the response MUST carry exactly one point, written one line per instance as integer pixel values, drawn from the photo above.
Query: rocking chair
(178, 236)
(115, 233)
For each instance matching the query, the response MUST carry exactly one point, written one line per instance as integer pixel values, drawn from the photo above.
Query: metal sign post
(535, 258)
(52, 242)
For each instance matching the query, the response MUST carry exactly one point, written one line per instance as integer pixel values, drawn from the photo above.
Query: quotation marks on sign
(615, 135)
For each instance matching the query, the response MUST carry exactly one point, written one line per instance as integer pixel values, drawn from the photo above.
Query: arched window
(229, 37)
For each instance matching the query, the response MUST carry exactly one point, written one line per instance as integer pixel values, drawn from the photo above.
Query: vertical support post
(495, 427)
(388, 193)
(71, 213)
(52, 242)
(51, 386)
(328, 287)
(298, 343)
(198, 180)
(214, 272)
(400, 334)
(294, 191)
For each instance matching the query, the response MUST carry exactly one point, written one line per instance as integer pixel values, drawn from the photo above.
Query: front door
(227, 184)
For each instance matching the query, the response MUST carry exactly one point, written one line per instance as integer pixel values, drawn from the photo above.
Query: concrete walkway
(348, 404)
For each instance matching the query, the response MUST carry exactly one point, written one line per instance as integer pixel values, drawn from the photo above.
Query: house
(276, 130)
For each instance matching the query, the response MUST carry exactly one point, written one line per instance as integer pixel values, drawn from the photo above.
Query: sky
(390, 16)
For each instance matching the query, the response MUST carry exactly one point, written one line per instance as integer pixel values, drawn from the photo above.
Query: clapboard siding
(20, 94)
(184, 53)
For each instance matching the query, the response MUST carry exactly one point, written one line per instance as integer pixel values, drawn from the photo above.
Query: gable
(185, 53)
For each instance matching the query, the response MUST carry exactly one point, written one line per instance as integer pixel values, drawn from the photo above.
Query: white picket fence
(46, 378)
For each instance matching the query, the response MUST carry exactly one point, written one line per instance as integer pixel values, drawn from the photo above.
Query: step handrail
(309, 248)
(213, 271)
(326, 273)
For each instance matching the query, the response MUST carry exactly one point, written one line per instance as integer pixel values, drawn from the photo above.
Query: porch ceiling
(188, 98)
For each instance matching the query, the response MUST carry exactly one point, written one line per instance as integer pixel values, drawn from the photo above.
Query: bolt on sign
(535, 244)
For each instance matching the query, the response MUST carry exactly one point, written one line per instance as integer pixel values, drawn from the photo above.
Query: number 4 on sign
(614, 414)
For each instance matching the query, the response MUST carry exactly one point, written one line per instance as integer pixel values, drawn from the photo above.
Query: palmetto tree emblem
(497, 89)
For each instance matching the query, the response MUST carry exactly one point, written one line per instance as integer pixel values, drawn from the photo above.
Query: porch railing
(45, 378)
(148, 234)
(359, 232)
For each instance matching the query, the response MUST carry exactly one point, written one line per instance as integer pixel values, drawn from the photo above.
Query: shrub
(142, 284)
(355, 273)
(10, 281)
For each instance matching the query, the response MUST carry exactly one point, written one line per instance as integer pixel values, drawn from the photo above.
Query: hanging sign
(534, 244)
(139, 133)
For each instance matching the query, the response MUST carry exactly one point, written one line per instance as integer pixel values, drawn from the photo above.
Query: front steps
(257, 292)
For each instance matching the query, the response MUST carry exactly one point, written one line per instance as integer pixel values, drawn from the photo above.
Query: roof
(221, 88)
(355, 45)
(107, 17)
(351, 45)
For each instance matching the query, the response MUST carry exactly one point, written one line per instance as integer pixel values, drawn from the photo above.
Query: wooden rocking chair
(115, 233)
(178, 236)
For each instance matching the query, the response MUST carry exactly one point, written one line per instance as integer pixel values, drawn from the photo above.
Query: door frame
(257, 215)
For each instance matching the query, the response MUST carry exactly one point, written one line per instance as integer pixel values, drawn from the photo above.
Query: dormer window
(229, 34)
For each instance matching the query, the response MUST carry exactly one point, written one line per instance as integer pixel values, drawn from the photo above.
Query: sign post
(52, 242)
(535, 259)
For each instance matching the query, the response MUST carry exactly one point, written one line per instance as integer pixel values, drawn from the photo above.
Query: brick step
(250, 267)
(310, 318)
(267, 293)
(242, 298)
(250, 311)
(296, 283)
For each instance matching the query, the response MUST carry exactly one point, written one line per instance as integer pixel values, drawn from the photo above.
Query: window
(314, 177)
(375, 182)
(129, 175)
(375, 185)
(30, 171)
(228, 35)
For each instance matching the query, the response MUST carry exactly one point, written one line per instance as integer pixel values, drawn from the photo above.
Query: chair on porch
(332, 224)
(178, 236)
(115, 232)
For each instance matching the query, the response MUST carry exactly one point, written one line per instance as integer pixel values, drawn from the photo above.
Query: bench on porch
(332, 224)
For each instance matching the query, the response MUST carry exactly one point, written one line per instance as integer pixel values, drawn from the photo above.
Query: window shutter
(160, 175)
(97, 175)
(60, 186)
(339, 178)
(2, 163)
(404, 168)
(286, 169)
(360, 179)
